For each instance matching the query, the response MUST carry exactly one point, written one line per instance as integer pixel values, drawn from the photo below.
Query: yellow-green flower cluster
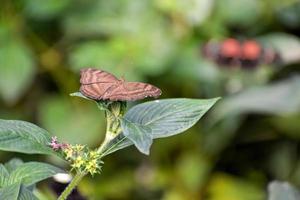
(83, 159)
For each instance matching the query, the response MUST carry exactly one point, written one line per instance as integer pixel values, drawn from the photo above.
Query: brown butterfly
(100, 85)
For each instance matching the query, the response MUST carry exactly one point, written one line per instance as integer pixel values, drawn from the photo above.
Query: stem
(112, 130)
(104, 143)
(71, 186)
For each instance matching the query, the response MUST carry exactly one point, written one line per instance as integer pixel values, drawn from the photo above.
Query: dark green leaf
(33, 172)
(24, 137)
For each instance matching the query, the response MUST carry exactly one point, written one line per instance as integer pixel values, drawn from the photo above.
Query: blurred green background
(248, 140)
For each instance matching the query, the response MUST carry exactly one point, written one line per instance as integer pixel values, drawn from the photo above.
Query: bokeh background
(249, 139)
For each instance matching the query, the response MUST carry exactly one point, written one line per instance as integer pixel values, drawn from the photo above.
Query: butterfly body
(100, 85)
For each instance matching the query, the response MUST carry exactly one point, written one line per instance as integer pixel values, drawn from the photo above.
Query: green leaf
(169, 116)
(32, 172)
(24, 137)
(10, 192)
(139, 134)
(161, 118)
(282, 191)
(4, 175)
(13, 164)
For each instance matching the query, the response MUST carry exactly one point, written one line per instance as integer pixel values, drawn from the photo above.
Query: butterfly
(232, 52)
(101, 85)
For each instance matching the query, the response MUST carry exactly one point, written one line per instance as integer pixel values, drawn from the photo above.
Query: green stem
(112, 130)
(71, 186)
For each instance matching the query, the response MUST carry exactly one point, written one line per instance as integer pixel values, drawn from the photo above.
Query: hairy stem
(71, 186)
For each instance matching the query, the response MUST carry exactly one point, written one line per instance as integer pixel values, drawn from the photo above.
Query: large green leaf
(32, 172)
(10, 192)
(169, 116)
(24, 137)
(139, 134)
(162, 118)
(282, 191)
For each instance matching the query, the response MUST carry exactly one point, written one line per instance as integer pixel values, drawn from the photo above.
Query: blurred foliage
(250, 139)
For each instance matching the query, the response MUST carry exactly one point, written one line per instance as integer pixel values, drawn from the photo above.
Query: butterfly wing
(95, 82)
(131, 91)
(95, 90)
(90, 76)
